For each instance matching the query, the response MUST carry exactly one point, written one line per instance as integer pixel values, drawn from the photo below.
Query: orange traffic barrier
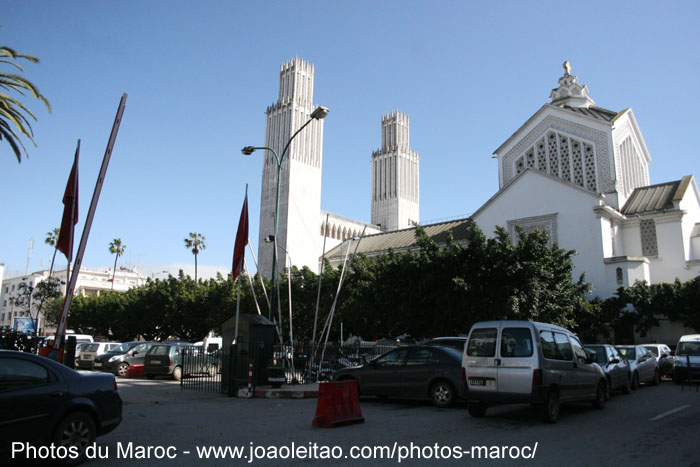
(338, 404)
(135, 371)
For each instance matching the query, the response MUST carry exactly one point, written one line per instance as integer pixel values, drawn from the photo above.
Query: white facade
(581, 173)
(302, 223)
(90, 282)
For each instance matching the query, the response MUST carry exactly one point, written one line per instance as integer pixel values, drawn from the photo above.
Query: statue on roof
(567, 68)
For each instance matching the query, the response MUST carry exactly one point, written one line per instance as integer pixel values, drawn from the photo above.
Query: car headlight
(114, 359)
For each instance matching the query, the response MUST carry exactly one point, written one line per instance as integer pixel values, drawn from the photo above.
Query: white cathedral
(574, 169)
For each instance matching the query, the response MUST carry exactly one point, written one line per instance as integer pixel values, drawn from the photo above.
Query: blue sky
(199, 76)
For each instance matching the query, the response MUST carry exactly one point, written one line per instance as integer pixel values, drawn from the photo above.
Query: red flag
(70, 211)
(241, 240)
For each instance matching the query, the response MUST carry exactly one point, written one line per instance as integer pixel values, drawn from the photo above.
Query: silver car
(644, 367)
(87, 357)
(664, 357)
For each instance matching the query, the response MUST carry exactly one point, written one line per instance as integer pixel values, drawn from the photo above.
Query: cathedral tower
(395, 176)
(300, 178)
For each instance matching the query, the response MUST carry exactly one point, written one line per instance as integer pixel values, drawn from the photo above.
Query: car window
(422, 357)
(141, 348)
(393, 358)
(653, 350)
(17, 373)
(628, 353)
(482, 343)
(599, 353)
(92, 348)
(549, 349)
(516, 342)
(159, 350)
(643, 351)
(563, 346)
(615, 353)
(581, 355)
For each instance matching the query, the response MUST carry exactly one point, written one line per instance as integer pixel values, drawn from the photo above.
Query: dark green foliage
(14, 340)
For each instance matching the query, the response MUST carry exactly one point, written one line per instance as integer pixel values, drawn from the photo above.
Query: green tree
(14, 116)
(117, 249)
(32, 299)
(195, 242)
(52, 240)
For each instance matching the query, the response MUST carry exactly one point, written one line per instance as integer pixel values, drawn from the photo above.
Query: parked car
(178, 360)
(642, 363)
(119, 359)
(456, 343)
(664, 357)
(528, 362)
(616, 367)
(42, 402)
(91, 351)
(79, 350)
(414, 371)
(687, 363)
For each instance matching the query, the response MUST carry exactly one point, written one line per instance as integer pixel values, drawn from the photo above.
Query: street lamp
(318, 114)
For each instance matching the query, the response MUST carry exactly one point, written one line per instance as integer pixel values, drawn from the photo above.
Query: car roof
(690, 338)
(536, 324)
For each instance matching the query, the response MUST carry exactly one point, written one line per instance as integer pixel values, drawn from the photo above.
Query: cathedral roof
(654, 198)
(594, 111)
(404, 239)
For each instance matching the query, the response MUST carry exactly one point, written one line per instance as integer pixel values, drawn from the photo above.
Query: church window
(578, 168)
(566, 161)
(519, 165)
(530, 159)
(618, 275)
(552, 149)
(647, 229)
(589, 160)
(563, 152)
(541, 156)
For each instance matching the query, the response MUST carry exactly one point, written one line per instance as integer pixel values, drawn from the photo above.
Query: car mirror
(614, 360)
(134, 352)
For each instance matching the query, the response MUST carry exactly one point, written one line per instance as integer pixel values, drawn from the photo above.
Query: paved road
(652, 426)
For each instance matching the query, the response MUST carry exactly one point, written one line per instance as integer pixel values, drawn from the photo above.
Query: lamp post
(318, 114)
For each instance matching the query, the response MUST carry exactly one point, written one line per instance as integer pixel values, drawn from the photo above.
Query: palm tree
(196, 243)
(117, 249)
(13, 114)
(52, 240)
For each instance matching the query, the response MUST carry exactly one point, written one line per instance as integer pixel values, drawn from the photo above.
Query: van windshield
(688, 348)
(482, 343)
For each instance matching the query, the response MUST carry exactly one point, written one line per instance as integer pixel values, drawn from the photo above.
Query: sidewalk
(287, 391)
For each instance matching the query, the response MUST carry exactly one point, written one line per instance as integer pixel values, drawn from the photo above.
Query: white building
(90, 282)
(302, 223)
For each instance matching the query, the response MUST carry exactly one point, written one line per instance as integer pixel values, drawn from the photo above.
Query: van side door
(585, 373)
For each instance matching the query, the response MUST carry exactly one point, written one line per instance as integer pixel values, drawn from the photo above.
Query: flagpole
(56, 350)
(238, 308)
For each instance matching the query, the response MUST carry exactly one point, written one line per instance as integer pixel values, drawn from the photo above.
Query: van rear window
(516, 342)
(482, 343)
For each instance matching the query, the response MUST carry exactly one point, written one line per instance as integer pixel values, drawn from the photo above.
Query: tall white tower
(300, 179)
(395, 176)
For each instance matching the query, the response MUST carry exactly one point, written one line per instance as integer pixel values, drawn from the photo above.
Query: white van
(528, 362)
(686, 366)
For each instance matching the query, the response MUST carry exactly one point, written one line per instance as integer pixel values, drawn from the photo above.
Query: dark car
(617, 369)
(119, 359)
(178, 360)
(415, 371)
(456, 343)
(43, 402)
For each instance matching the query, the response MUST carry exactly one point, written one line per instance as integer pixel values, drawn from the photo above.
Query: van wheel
(657, 378)
(635, 381)
(122, 369)
(442, 394)
(477, 409)
(177, 373)
(550, 412)
(600, 396)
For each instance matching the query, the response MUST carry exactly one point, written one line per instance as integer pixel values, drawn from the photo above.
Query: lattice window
(519, 165)
(553, 156)
(618, 275)
(564, 153)
(647, 229)
(589, 160)
(530, 157)
(566, 161)
(577, 163)
(541, 156)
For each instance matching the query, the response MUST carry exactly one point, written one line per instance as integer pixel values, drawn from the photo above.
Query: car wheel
(150, 376)
(177, 373)
(122, 369)
(442, 394)
(477, 409)
(75, 430)
(600, 396)
(635, 381)
(550, 412)
(657, 378)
